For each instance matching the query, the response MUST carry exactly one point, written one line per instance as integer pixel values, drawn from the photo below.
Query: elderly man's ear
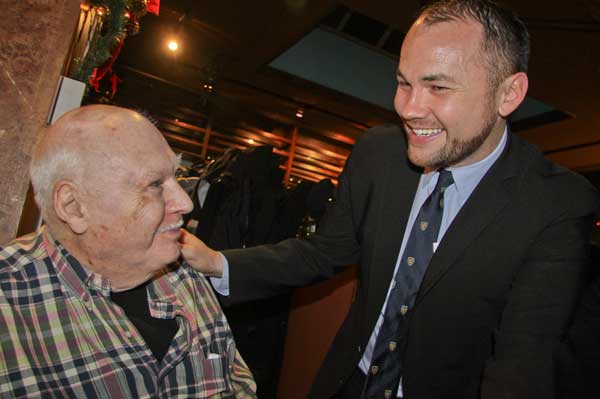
(69, 206)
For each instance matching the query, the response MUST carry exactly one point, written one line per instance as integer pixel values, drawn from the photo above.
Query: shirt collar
(79, 280)
(467, 177)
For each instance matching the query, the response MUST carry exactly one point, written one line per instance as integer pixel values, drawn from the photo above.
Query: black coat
(497, 294)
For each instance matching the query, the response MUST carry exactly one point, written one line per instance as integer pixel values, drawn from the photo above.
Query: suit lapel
(488, 199)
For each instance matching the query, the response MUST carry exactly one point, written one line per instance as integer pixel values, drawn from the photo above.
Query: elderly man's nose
(178, 201)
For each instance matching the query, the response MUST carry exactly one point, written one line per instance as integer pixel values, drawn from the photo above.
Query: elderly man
(471, 245)
(93, 305)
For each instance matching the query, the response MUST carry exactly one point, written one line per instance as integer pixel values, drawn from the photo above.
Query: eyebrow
(157, 173)
(434, 77)
(437, 77)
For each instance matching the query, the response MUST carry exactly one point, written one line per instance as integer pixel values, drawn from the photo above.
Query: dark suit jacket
(579, 358)
(497, 294)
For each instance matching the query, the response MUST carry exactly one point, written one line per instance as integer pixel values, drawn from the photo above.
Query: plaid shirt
(61, 336)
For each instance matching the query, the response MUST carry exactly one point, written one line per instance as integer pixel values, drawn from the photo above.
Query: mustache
(172, 226)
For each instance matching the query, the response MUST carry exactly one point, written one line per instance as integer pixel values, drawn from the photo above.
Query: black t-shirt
(158, 333)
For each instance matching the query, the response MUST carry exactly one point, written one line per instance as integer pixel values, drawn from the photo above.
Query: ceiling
(220, 81)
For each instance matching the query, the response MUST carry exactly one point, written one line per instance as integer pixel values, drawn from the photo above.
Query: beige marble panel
(34, 40)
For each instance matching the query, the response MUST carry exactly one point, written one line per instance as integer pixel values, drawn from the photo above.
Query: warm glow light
(173, 45)
(300, 113)
(250, 141)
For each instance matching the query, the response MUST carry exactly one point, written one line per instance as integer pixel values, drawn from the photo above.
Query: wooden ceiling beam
(321, 164)
(315, 169)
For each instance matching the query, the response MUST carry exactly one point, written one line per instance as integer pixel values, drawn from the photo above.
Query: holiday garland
(117, 18)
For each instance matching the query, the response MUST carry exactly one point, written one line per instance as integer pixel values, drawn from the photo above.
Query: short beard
(457, 151)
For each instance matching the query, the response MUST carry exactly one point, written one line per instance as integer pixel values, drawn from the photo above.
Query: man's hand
(199, 256)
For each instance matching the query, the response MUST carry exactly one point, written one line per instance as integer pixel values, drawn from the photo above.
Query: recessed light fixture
(173, 45)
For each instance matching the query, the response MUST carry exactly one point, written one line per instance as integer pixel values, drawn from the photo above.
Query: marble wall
(34, 41)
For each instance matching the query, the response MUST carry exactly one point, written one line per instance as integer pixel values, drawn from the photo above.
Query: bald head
(83, 143)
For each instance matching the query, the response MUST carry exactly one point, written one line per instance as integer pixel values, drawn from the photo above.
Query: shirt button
(128, 334)
(392, 346)
(374, 369)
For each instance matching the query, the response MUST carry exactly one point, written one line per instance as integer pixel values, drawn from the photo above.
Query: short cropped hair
(505, 37)
(47, 167)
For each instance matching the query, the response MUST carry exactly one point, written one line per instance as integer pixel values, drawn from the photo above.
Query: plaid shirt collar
(83, 283)
(79, 281)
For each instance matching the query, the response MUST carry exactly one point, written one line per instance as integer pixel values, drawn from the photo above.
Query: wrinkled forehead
(134, 148)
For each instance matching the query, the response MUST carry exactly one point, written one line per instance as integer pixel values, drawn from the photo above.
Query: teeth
(426, 132)
(170, 227)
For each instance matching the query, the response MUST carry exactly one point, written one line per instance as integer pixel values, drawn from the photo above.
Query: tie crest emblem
(424, 226)
(410, 260)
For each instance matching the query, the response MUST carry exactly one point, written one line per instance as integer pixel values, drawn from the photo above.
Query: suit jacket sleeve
(264, 271)
(543, 293)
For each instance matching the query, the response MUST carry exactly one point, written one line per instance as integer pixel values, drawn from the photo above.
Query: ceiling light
(250, 141)
(300, 113)
(173, 45)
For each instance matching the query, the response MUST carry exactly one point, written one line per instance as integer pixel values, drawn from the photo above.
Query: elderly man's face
(136, 204)
(444, 98)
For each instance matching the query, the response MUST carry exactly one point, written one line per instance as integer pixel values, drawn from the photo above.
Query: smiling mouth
(171, 227)
(425, 132)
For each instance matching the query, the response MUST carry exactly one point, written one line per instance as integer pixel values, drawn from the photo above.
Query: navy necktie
(386, 366)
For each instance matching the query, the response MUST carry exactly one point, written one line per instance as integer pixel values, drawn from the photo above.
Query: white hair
(49, 165)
